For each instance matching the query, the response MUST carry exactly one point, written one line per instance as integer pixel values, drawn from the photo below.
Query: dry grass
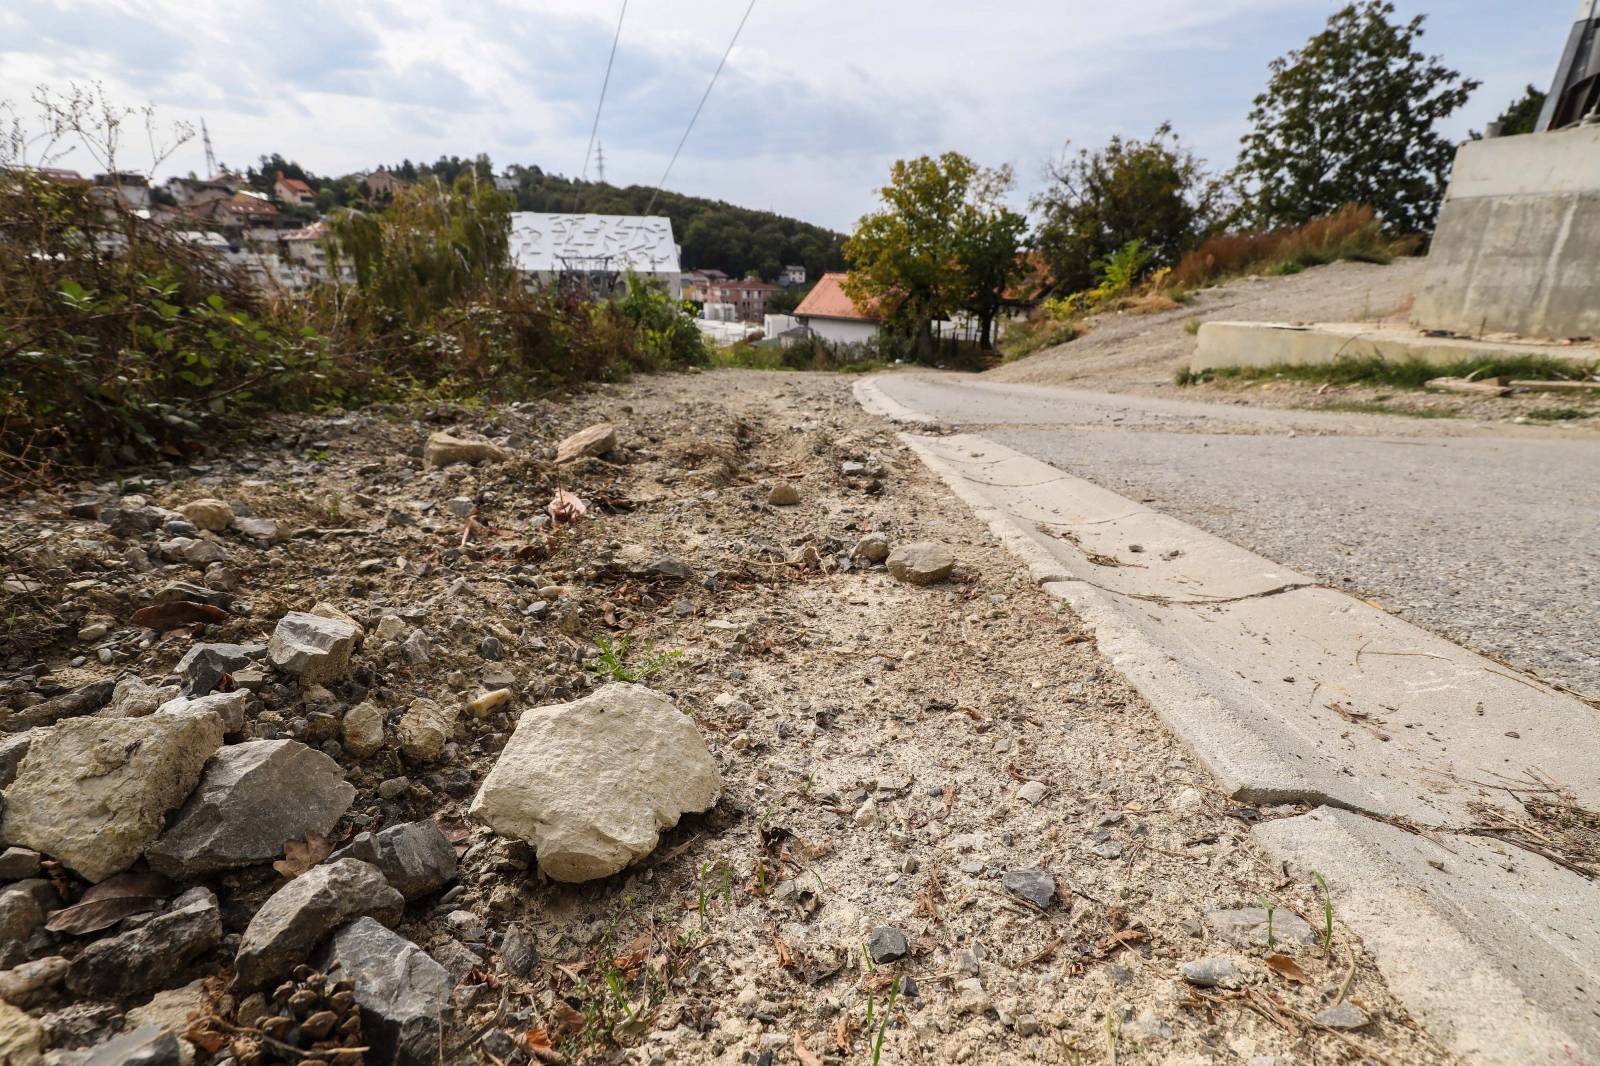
(1352, 232)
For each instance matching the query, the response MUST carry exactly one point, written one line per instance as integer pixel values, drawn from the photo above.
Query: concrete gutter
(1293, 693)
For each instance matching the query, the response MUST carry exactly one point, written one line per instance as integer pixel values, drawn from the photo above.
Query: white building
(829, 313)
(598, 251)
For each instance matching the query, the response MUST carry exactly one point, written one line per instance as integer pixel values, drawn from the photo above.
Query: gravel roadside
(940, 793)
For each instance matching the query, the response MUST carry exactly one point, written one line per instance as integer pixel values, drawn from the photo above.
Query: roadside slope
(1129, 352)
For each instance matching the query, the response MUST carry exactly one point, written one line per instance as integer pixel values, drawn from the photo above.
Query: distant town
(278, 238)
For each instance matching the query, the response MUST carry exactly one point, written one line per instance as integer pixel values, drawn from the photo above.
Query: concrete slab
(1258, 344)
(1494, 949)
(1286, 690)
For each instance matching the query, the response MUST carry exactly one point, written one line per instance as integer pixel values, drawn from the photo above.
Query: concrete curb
(1290, 692)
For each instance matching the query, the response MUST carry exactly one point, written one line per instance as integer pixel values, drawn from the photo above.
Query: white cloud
(817, 99)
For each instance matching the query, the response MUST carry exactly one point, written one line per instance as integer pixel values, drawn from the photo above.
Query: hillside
(1124, 352)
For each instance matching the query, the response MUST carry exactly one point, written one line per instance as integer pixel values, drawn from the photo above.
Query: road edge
(1472, 1001)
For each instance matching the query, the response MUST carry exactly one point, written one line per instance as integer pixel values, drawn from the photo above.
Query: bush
(1352, 232)
(118, 336)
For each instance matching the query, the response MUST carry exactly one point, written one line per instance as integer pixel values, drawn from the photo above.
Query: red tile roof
(295, 185)
(827, 299)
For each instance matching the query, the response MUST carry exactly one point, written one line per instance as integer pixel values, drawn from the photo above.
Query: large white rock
(93, 792)
(591, 784)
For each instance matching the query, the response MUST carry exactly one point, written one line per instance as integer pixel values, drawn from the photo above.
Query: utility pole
(211, 157)
(600, 161)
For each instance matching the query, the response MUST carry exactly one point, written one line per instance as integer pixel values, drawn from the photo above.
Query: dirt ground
(878, 742)
(1142, 353)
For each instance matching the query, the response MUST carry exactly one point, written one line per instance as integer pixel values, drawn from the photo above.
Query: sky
(817, 100)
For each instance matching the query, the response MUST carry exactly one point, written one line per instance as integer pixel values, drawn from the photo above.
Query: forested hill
(714, 234)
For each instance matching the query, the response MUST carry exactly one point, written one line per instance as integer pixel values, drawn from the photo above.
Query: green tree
(903, 256)
(1351, 118)
(988, 247)
(1523, 113)
(943, 242)
(1153, 191)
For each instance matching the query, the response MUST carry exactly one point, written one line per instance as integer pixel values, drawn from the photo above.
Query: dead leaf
(301, 855)
(1288, 969)
(637, 950)
(539, 1045)
(785, 953)
(568, 1021)
(163, 616)
(803, 1055)
(112, 900)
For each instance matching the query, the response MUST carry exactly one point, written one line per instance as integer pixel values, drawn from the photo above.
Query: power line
(604, 84)
(684, 139)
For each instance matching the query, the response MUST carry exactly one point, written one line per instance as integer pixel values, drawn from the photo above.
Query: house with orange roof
(293, 191)
(830, 314)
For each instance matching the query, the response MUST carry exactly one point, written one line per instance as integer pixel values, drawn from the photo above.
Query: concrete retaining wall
(1517, 248)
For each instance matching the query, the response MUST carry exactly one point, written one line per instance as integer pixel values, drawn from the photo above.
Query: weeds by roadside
(1352, 233)
(1402, 374)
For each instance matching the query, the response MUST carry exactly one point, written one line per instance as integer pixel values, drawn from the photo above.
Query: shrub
(1352, 232)
(119, 336)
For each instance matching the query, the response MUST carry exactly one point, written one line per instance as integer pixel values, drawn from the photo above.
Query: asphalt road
(1486, 534)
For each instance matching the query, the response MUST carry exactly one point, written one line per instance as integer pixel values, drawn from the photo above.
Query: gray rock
(1038, 887)
(1210, 973)
(267, 529)
(922, 563)
(21, 912)
(202, 666)
(12, 748)
(425, 729)
(151, 956)
(363, 730)
(28, 982)
(1108, 849)
(252, 798)
(148, 1045)
(887, 944)
(17, 863)
(442, 449)
(231, 707)
(1247, 927)
(417, 649)
(81, 701)
(295, 918)
(403, 993)
(1344, 1015)
(593, 440)
(132, 698)
(94, 792)
(872, 548)
(126, 520)
(518, 954)
(313, 648)
(668, 567)
(416, 858)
